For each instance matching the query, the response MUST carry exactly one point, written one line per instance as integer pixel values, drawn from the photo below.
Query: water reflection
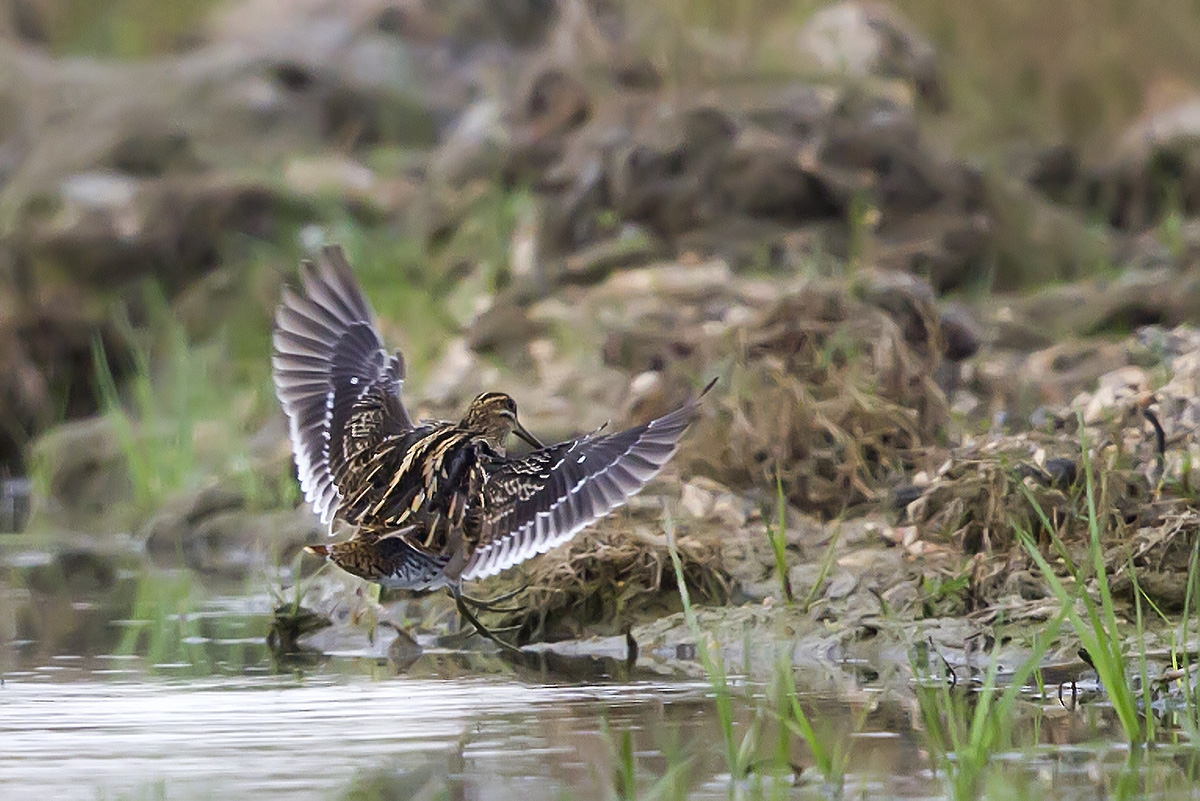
(274, 737)
(124, 683)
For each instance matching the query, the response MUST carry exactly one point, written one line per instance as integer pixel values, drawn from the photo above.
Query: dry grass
(612, 576)
(834, 396)
(983, 499)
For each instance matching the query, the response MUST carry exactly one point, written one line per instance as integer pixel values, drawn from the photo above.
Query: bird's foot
(492, 604)
(498, 610)
(483, 630)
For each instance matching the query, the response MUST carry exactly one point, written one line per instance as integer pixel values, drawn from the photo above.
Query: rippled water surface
(152, 686)
(277, 737)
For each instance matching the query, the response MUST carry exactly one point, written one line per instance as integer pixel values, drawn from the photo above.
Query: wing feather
(334, 378)
(534, 504)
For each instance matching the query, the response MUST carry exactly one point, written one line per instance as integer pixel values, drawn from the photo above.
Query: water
(278, 738)
(356, 735)
(136, 684)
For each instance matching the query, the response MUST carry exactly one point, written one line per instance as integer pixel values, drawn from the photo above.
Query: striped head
(493, 416)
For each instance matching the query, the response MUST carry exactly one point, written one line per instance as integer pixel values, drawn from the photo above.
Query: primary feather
(338, 385)
(534, 504)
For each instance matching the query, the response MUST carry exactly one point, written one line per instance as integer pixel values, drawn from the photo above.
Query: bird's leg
(488, 607)
(492, 604)
(479, 627)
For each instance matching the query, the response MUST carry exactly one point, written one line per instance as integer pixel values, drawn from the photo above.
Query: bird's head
(493, 415)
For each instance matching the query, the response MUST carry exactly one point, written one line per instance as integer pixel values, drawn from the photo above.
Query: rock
(215, 531)
(861, 39)
(580, 214)
(632, 247)
(48, 346)
(25, 21)
(764, 176)
(1060, 372)
(114, 165)
(636, 72)
(505, 327)
(841, 585)
(330, 175)
(474, 148)
(696, 501)
(1055, 171)
(520, 22)
(1156, 159)
(1161, 296)
(368, 194)
(649, 397)
(731, 510)
(663, 176)
(105, 230)
(1141, 444)
(88, 482)
(368, 81)
(554, 104)
(1012, 329)
(952, 247)
(154, 150)
(908, 300)
(1037, 241)
(873, 143)
(960, 332)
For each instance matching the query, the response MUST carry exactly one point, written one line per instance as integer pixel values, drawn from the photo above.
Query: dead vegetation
(832, 389)
(613, 575)
(990, 492)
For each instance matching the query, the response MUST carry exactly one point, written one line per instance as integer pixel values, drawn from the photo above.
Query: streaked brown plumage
(433, 503)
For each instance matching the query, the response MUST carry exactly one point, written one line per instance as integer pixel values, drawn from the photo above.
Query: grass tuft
(1191, 718)
(778, 537)
(738, 753)
(182, 414)
(966, 727)
(1097, 628)
(831, 759)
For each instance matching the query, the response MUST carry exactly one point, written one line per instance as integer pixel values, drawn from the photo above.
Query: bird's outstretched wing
(533, 504)
(339, 387)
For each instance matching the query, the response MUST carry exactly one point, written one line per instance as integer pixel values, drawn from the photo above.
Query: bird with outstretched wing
(433, 503)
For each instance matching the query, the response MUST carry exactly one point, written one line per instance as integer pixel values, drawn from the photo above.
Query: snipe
(433, 504)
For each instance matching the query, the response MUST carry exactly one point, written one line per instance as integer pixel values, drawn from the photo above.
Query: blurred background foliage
(1072, 71)
(464, 154)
